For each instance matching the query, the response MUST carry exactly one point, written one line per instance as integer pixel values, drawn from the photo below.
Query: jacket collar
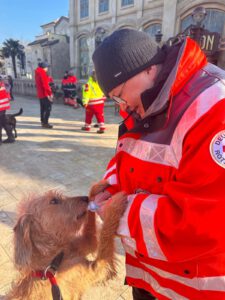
(190, 59)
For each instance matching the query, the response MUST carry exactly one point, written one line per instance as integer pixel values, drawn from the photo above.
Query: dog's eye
(81, 215)
(55, 201)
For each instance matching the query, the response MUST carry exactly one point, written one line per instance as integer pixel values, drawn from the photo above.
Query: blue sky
(21, 19)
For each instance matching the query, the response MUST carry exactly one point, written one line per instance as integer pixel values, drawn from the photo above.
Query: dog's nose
(85, 199)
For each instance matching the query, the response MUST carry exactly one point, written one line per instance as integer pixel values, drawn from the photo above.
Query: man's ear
(22, 242)
(152, 73)
(148, 69)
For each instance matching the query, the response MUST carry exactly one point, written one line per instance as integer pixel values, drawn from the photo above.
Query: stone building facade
(92, 20)
(52, 46)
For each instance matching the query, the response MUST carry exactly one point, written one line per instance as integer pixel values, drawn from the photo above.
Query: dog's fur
(53, 223)
(10, 120)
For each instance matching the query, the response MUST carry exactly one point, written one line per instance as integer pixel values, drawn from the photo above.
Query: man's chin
(137, 117)
(134, 113)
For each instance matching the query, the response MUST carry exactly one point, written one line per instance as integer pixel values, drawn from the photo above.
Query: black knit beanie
(122, 55)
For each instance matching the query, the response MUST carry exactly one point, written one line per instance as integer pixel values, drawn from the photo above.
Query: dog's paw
(118, 203)
(115, 207)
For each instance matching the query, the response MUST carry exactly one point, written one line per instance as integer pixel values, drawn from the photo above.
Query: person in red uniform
(44, 93)
(170, 161)
(5, 105)
(93, 101)
(63, 87)
(69, 88)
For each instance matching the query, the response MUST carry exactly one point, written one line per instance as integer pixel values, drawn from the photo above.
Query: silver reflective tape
(203, 103)
(147, 215)
(137, 273)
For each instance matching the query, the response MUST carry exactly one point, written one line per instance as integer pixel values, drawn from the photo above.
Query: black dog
(10, 120)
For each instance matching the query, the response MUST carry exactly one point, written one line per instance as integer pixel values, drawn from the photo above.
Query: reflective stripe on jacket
(173, 227)
(92, 93)
(4, 97)
(69, 83)
(69, 86)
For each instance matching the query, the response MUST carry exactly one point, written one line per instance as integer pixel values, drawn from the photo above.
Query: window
(153, 29)
(84, 8)
(84, 57)
(103, 5)
(213, 22)
(127, 2)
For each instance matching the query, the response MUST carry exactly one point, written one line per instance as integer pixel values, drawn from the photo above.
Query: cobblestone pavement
(65, 158)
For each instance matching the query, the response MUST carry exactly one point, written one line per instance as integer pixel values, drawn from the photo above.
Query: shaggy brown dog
(53, 223)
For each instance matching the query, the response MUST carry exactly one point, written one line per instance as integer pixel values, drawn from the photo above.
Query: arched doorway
(214, 21)
(153, 29)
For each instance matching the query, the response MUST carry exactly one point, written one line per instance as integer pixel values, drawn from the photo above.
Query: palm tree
(12, 48)
(1, 66)
(1, 61)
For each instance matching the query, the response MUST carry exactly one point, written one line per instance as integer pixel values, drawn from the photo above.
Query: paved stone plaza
(64, 158)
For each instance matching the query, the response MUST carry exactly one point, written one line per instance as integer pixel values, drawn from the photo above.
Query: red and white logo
(217, 148)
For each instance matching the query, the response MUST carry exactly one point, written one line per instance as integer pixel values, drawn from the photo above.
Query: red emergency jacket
(69, 80)
(69, 86)
(173, 228)
(42, 83)
(4, 97)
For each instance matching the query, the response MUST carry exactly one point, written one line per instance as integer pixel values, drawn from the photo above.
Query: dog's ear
(22, 242)
(98, 188)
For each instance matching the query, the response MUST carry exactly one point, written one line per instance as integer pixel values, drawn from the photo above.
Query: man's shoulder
(40, 71)
(206, 77)
(214, 71)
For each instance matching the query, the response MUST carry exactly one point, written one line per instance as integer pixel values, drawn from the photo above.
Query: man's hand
(97, 188)
(101, 200)
(50, 98)
(100, 195)
(116, 205)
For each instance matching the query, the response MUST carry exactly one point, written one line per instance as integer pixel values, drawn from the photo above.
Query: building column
(91, 46)
(92, 12)
(169, 19)
(76, 56)
(72, 49)
(114, 11)
(140, 6)
(72, 26)
(91, 38)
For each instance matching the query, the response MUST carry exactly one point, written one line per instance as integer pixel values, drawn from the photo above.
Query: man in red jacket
(170, 161)
(44, 93)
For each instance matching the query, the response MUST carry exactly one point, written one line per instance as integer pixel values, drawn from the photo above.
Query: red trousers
(96, 110)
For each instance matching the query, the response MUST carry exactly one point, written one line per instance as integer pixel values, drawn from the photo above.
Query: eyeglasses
(118, 98)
